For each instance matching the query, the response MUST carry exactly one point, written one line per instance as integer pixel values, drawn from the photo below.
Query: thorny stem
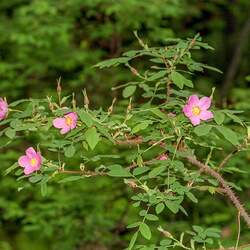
(228, 191)
(204, 168)
(207, 170)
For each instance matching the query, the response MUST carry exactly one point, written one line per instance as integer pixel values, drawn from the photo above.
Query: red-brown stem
(228, 191)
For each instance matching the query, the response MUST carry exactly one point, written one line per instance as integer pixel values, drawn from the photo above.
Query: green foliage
(157, 126)
(43, 40)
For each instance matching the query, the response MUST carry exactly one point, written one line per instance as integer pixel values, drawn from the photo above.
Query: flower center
(69, 121)
(196, 110)
(33, 162)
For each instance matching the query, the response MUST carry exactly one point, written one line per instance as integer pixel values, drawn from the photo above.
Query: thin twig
(80, 172)
(238, 235)
(227, 158)
(230, 155)
(130, 141)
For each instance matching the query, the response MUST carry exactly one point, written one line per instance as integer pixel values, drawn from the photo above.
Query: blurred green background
(42, 40)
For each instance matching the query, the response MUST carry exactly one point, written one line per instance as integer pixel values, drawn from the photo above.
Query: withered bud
(59, 87)
(129, 105)
(134, 71)
(164, 232)
(86, 99)
(131, 184)
(110, 109)
(51, 105)
(73, 101)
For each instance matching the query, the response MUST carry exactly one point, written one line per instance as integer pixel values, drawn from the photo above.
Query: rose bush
(163, 142)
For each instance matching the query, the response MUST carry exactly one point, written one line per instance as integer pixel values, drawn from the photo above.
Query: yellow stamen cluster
(196, 110)
(69, 121)
(33, 162)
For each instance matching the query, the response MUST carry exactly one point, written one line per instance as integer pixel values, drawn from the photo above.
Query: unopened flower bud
(59, 88)
(134, 71)
(86, 99)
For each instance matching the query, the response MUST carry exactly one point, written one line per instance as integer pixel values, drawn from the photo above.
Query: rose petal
(30, 152)
(59, 123)
(193, 100)
(28, 170)
(205, 103)
(195, 120)
(2, 115)
(39, 161)
(65, 130)
(3, 105)
(3, 109)
(206, 115)
(24, 161)
(187, 110)
(74, 118)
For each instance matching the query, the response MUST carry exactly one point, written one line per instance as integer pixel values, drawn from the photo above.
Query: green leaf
(143, 212)
(133, 225)
(156, 171)
(13, 104)
(11, 168)
(112, 62)
(92, 137)
(228, 134)
(16, 123)
(44, 188)
(118, 171)
(191, 197)
(140, 170)
(35, 178)
(11, 133)
(219, 117)
(209, 241)
(128, 91)
(70, 178)
(159, 113)
(151, 217)
(132, 241)
(213, 232)
(212, 68)
(141, 126)
(86, 118)
(70, 151)
(234, 118)
(159, 208)
(198, 229)
(157, 75)
(172, 206)
(202, 130)
(179, 80)
(145, 231)
(166, 242)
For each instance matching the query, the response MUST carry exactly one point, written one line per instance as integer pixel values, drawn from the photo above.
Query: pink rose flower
(3, 109)
(197, 109)
(31, 161)
(66, 123)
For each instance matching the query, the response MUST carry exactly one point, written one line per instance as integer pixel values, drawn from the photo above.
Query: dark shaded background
(42, 40)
